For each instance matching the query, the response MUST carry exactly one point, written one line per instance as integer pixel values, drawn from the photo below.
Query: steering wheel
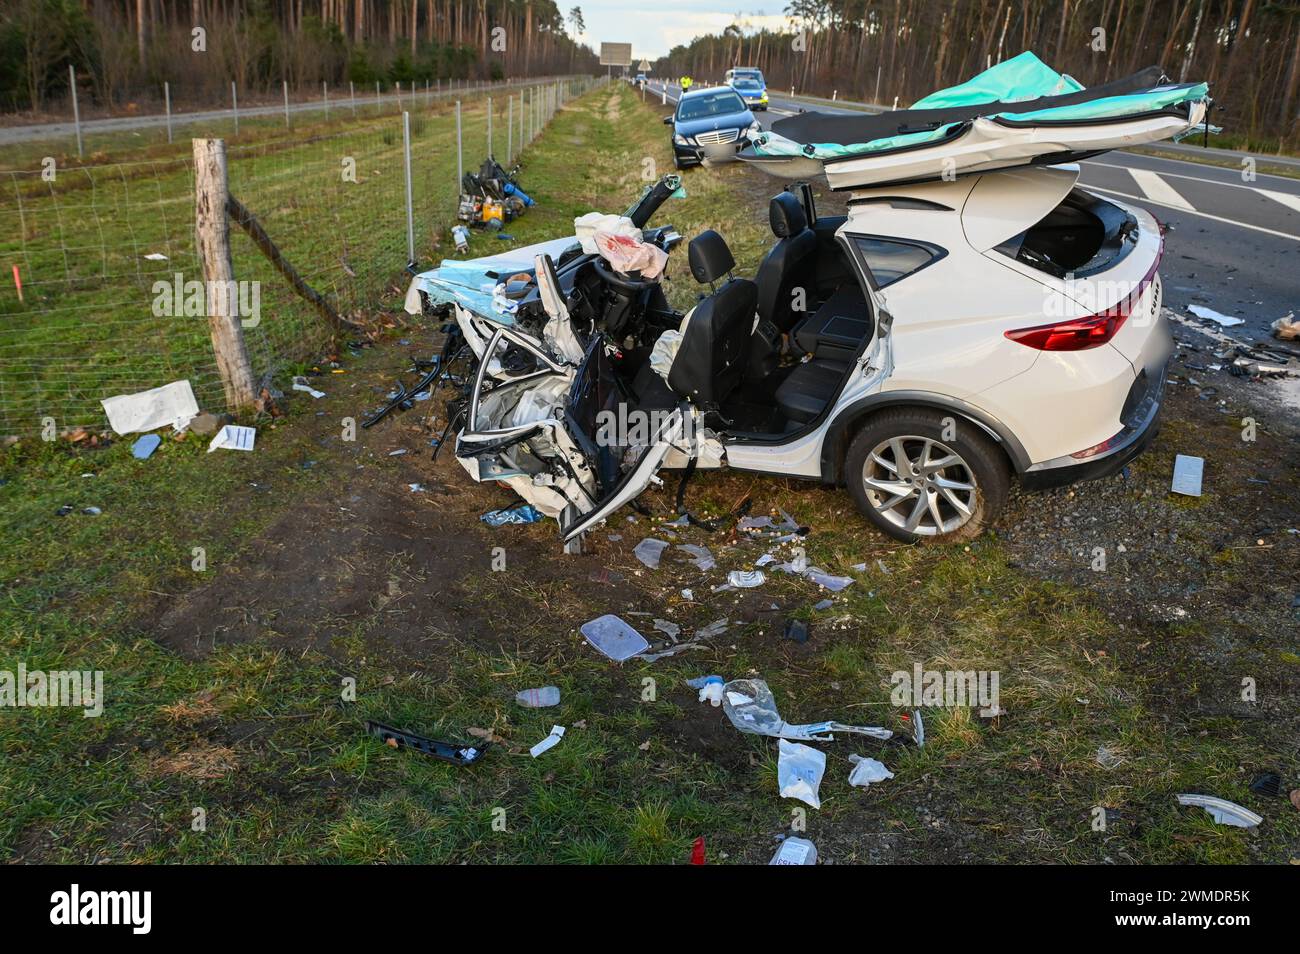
(631, 286)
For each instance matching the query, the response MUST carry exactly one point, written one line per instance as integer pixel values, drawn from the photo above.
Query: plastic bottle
(541, 698)
(711, 691)
(795, 851)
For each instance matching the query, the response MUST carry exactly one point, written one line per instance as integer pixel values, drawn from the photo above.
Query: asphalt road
(1232, 246)
(338, 102)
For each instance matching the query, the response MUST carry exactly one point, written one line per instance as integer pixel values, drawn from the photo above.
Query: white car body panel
(986, 146)
(945, 345)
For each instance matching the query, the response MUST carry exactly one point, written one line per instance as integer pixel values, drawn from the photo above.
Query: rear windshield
(718, 103)
(1081, 236)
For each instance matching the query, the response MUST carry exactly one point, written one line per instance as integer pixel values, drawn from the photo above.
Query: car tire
(951, 503)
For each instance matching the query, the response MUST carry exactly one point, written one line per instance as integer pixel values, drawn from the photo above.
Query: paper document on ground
(234, 437)
(171, 404)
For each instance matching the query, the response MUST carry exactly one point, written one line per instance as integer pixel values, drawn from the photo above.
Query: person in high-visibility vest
(686, 83)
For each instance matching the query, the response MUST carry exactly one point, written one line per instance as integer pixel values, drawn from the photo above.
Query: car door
(533, 424)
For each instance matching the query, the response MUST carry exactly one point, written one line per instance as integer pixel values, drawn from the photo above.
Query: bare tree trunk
(139, 28)
(212, 242)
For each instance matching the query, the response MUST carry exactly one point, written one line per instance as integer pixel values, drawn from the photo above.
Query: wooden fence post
(212, 240)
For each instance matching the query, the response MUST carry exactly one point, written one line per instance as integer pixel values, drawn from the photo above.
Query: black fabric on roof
(812, 127)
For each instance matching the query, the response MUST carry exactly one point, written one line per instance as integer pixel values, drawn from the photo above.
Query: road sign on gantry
(616, 54)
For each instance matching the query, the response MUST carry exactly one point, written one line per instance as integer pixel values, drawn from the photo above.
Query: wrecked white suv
(975, 316)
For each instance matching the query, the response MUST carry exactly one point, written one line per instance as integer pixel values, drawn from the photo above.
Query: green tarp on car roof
(1019, 78)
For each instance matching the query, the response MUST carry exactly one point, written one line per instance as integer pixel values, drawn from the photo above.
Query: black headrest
(786, 215)
(709, 257)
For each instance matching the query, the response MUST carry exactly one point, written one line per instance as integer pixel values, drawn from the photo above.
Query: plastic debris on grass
(454, 752)
(524, 513)
(795, 851)
(1223, 811)
(702, 556)
(650, 551)
(300, 383)
(614, 637)
(541, 698)
(867, 771)
(143, 448)
(799, 771)
(751, 707)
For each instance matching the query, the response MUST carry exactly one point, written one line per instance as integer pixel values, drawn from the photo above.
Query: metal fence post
(410, 208)
(76, 110)
(489, 124)
(510, 128)
(460, 154)
(397, 88)
(378, 108)
(234, 105)
(167, 100)
(325, 95)
(286, 103)
(352, 95)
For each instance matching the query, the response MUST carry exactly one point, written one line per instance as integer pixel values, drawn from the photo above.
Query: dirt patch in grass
(202, 761)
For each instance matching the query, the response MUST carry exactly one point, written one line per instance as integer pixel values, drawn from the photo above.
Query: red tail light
(1091, 331)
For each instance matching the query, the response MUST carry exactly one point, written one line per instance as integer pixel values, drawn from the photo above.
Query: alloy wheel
(920, 485)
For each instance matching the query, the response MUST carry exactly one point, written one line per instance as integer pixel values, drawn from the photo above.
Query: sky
(653, 27)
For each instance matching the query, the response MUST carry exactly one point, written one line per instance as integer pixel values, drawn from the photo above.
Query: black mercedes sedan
(709, 124)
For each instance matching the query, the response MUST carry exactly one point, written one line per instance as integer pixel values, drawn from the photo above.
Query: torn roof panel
(1017, 113)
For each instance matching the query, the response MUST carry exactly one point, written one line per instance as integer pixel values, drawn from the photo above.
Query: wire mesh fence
(102, 287)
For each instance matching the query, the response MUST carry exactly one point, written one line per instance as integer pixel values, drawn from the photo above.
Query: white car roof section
(1017, 113)
(986, 146)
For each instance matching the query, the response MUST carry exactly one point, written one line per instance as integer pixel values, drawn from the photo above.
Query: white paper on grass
(799, 772)
(550, 742)
(234, 437)
(172, 404)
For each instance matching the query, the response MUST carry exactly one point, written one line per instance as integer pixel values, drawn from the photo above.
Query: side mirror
(668, 120)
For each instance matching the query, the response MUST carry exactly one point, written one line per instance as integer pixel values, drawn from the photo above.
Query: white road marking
(1191, 211)
(1189, 162)
(1158, 190)
(1286, 198)
(1283, 197)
